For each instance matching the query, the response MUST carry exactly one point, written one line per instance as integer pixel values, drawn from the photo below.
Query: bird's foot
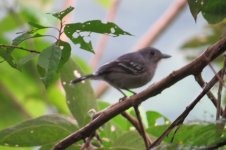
(122, 98)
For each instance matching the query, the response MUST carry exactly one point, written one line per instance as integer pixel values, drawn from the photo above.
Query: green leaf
(105, 3)
(66, 53)
(75, 29)
(80, 97)
(193, 135)
(62, 14)
(129, 141)
(36, 132)
(195, 7)
(214, 10)
(9, 101)
(38, 26)
(21, 38)
(7, 57)
(94, 26)
(49, 61)
(26, 59)
(153, 118)
(8, 23)
(83, 44)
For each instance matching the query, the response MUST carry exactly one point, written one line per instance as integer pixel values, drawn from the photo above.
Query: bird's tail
(90, 76)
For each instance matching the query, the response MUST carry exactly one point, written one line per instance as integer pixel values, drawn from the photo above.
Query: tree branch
(213, 99)
(143, 133)
(188, 109)
(193, 68)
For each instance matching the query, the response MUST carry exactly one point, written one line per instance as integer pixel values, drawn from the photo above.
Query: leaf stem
(18, 47)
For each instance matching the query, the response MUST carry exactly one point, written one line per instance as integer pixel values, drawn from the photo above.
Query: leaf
(7, 57)
(8, 23)
(105, 3)
(129, 141)
(75, 29)
(193, 135)
(48, 61)
(8, 102)
(83, 44)
(94, 26)
(195, 7)
(38, 26)
(80, 97)
(153, 118)
(36, 132)
(26, 59)
(21, 38)
(214, 11)
(62, 14)
(66, 53)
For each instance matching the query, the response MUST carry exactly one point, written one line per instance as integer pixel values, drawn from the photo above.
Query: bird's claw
(122, 98)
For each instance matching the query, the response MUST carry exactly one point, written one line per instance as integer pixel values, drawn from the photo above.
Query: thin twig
(219, 97)
(87, 141)
(21, 48)
(188, 109)
(218, 76)
(132, 120)
(174, 134)
(143, 133)
(213, 99)
(224, 68)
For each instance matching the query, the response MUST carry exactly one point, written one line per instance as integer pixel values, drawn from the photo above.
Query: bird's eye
(152, 53)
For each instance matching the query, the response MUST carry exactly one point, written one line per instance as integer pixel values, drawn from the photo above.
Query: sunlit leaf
(62, 14)
(35, 132)
(8, 23)
(153, 118)
(80, 97)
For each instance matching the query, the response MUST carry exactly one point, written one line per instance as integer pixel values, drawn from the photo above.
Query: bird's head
(153, 54)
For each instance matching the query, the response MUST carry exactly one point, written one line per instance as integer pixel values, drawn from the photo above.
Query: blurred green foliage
(39, 107)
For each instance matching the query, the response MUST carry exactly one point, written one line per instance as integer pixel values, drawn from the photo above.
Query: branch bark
(193, 68)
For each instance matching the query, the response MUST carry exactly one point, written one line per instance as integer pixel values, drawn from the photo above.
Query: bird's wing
(128, 65)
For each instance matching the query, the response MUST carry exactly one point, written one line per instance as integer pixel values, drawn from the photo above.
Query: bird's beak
(165, 56)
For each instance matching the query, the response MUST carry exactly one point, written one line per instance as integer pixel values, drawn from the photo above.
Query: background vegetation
(38, 106)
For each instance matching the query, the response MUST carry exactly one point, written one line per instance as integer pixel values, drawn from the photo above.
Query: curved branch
(193, 68)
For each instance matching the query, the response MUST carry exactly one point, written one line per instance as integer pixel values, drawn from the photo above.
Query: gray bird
(129, 71)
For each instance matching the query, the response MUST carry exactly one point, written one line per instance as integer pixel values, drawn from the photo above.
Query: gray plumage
(131, 70)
